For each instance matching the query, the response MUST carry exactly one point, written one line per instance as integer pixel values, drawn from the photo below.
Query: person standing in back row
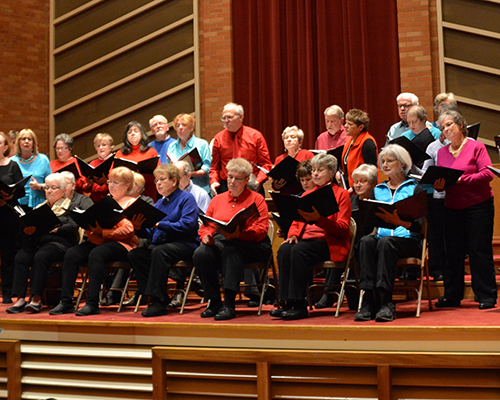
(237, 141)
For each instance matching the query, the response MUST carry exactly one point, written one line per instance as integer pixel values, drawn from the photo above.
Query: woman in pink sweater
(469, 215)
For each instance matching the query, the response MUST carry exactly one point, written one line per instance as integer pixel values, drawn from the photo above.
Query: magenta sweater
(474, 187)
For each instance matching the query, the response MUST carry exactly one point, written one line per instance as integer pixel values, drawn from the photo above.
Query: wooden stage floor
(463, 329)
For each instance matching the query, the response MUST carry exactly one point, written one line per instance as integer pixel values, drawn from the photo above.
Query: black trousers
(228, 257)
(378, 260)
(33, 263)
(152, 264)
(470, 229)
(295, 262)
(96, 257)
(8, 243)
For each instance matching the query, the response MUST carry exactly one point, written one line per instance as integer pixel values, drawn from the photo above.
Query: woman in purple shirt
(469, 215)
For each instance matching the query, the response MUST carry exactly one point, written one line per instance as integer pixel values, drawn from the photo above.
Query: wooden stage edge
(257, 336)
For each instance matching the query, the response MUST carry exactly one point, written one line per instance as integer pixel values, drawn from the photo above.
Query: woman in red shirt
(320, 239)
(292, 139)
(135, 148)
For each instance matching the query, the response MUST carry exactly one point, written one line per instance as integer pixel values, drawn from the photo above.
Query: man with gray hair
(404, 102)
(335, 135)
(159, 127)
(235, 141)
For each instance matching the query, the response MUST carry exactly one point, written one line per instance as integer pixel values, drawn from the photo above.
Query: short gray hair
(419, 111)
(233, 106)
(399, 153)
(58, 176)
(240, 165)
(288, 129)
(443, 97)
(413, 98)
(334, 110)
(69, 176)
(367, 171)
(325, 160)
(66, 139)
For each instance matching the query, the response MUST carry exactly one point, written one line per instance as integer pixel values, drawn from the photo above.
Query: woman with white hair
(227, 252)
(379, 253)
(308, 243)
(41, 251)
(292, 139)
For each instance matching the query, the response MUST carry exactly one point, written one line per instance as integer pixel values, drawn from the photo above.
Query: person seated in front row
(228, 252)
(101, 247)
(378, 254)
(119, 277)
(173, 239)
(41, 251)
(365, 178)
(320, 239)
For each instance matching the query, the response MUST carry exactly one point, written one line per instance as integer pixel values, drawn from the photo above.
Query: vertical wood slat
(264, 381)
(12, 349)
(159, 365)
(384, 382)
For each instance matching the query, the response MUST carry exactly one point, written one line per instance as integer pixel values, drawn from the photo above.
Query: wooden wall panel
(113, 62)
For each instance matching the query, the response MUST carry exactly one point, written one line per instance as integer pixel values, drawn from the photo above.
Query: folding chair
(344, 265)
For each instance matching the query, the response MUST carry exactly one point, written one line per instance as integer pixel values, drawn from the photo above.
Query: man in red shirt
(335, 135)
(235, 141)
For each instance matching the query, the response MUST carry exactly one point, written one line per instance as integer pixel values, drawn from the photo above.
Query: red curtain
(294, 58)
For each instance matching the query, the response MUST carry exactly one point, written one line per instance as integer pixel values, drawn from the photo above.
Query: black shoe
(295, 313)
(327, 300)
(278, 312)
(486, 305)
(225, 313)
(387, 313)
(197, 286)
(155, 310)
(88, 310)
(212, 310)
(17, 309)
(6, 300)
(366, 313)
(62, 308)
(33, 308)
(254, 300)
(176, 301)
(444, 302)
(438, 278)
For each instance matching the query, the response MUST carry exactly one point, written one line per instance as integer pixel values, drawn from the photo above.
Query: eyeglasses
(29, 139)
(47, 188)
(228, 118)
(115, 183)
(448, 125)
(157, 124)
(161, 180)
(404, 105)
(319, 170)
(235, 178)
(61, 148)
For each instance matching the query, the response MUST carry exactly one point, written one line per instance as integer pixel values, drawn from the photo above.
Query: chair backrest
(353, 228)
(270, 231)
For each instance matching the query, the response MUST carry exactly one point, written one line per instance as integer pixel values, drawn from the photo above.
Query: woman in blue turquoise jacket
(379, 253)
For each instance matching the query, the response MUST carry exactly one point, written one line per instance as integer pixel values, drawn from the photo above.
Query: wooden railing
(208, 373)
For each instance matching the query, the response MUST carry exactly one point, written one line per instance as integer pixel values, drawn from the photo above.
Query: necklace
(456, 152)
(27, 160)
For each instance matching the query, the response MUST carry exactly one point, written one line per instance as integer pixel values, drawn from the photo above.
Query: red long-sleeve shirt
(224, 206)
(253, 147)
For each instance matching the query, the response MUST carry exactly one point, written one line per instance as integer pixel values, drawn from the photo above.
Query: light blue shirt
(203, 148)
(40, 169)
